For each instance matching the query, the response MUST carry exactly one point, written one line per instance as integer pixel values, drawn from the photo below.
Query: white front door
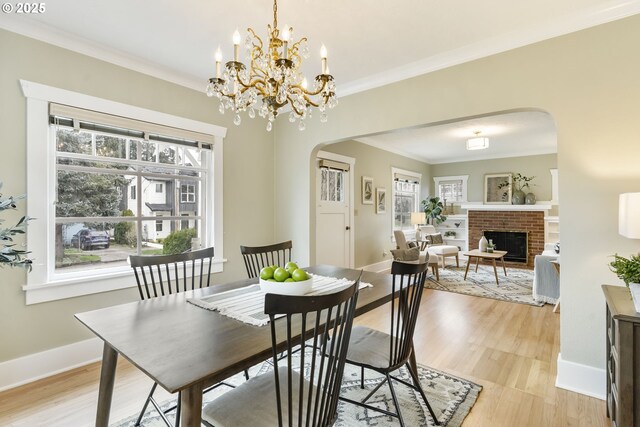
(333, 216)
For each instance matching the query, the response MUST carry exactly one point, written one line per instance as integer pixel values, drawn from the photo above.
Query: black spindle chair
(160, 275)
(307, 386)
(385, 353)
(257, 257)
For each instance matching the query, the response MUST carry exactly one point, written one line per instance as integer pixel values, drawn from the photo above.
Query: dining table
(185, 348)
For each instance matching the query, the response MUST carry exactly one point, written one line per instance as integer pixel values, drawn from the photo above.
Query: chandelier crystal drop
(274, 77)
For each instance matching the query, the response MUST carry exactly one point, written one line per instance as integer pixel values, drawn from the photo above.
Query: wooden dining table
(185, 348)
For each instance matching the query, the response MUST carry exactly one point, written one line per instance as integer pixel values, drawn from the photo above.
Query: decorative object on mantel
(520, 182)
(497, 188)
(483, 244)
(628, 269)
(434, 210)
(9, 255)
(274, 76)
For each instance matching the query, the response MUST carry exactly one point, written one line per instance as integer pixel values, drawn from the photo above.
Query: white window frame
(463, 178)
(161, 186)
(41, 157)
(410, 234)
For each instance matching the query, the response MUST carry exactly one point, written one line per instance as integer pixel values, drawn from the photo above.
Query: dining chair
(158, 275)
(257, 257)
(303, 389)
(386, 353)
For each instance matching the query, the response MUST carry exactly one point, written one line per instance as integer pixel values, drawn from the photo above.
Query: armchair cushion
(434, 239)
(412, 254)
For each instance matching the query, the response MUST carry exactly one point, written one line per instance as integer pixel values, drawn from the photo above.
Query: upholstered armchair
(546, 280)
(405, 253)
(438, 248)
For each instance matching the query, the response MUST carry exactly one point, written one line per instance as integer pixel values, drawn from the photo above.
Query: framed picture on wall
(381, 201)
(497, 189)
(367, 190)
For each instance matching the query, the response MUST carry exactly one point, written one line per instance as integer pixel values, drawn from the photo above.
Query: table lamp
(628, 215)
(418, 218)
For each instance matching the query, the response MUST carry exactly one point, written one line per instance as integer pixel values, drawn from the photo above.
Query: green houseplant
(9, 254)
(628, 270)
(433, 209)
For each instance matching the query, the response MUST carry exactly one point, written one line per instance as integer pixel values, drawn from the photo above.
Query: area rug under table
(516, 286)
(450, 397)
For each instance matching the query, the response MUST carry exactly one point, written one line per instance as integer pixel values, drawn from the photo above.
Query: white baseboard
(582, 379)
(378, 266)
(26, 369)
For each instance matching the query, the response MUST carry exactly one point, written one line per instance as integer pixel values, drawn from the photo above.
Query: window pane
(111, 146)
(181, 232)
(90, 245)
(82, 194)
(71, 141)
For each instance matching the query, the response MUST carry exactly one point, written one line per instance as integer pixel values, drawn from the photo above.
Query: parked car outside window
(87, 239)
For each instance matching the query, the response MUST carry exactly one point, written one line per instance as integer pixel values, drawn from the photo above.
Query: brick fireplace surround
(507, 220)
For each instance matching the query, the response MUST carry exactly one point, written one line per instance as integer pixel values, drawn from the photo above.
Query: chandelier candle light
(274, 76)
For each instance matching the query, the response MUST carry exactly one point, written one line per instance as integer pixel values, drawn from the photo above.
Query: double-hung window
(406, 198)
(110, 186)
(453, 189)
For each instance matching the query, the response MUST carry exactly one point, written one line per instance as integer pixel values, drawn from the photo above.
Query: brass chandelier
(274, 76)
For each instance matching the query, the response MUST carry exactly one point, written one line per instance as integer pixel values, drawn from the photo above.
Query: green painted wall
(248, 177)
(373, 232)
(587, 81)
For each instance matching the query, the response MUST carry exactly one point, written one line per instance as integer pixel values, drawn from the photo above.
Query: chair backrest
(427, 229)
(401, 241)
(326, 320)
(257, 257)
(159, 275)
(408, 283)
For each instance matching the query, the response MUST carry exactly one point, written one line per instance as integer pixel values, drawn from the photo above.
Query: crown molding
(607, 12)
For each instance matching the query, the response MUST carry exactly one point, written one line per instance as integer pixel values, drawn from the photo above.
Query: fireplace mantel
(482, 207)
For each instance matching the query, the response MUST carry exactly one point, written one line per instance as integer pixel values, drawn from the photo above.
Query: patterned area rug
(517, 286)
(450, 397)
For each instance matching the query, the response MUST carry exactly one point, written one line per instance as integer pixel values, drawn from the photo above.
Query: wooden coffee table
(493, 256)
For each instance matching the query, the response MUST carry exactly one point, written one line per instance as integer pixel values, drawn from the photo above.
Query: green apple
(266, 273)
(299, 275)
(289, 280)
(281, 274)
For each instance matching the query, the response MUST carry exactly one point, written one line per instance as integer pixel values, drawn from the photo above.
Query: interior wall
(373, 232)
(586, 80)
(537, 166)
(248, 191)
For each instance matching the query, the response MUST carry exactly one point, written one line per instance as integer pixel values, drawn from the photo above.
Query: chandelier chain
(275, 15)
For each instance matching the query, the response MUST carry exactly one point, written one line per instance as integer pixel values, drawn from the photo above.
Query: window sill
(89, 284)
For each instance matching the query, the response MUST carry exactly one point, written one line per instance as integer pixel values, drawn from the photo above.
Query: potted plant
(520, 182)
(433, 209)
(628, 270)
(9, 255)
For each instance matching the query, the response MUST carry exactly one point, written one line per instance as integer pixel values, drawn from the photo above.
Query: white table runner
(247, 304)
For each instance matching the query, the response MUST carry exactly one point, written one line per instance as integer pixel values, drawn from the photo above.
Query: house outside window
(453, 189)
(187, 193)
(110, 159)
(406, 198)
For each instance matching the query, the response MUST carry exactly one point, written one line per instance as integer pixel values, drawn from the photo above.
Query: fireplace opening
(514, 242)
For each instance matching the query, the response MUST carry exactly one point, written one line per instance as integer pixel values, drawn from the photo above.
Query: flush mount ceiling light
(274, 76)
(477, 143)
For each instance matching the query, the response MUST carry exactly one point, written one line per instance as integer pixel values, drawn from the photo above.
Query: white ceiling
(370, 43)
(513, 134)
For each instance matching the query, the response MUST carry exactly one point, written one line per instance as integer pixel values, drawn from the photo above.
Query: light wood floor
(510, 349)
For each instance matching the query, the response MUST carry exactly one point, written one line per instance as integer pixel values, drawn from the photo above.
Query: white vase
(635, 295)
(483, 244)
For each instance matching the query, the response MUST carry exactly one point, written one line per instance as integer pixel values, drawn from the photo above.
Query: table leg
(413, 365)
(191, 399)
(477, 262)
(107, 379)
(495, 272)
(503, 266)
(469, 259)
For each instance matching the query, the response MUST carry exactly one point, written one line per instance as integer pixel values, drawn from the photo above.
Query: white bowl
(286, 288)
